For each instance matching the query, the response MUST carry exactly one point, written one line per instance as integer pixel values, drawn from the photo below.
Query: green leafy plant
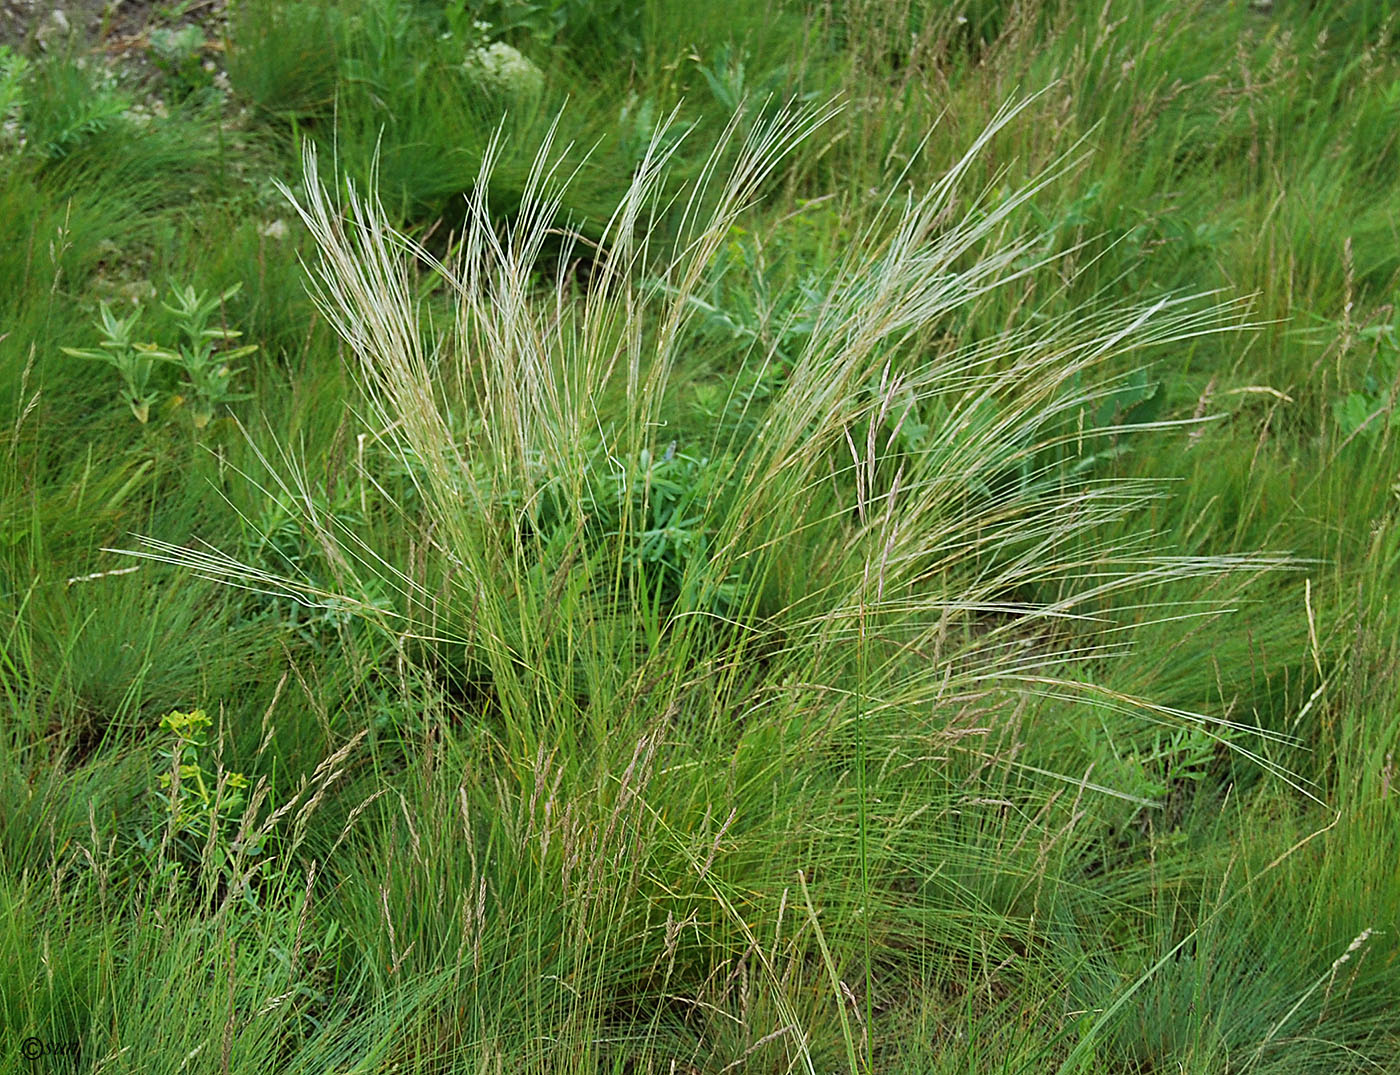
(732, 82)
(65, 104)
(200, 807)
(655, 518)
(208, 370)
(1365, 410)
(518, 18)
(278, 541)
(750, 302)
(758, 302)
(134, 361)
(206, 830)
(209, 373)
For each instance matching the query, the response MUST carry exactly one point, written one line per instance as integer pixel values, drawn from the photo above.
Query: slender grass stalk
(833, 975)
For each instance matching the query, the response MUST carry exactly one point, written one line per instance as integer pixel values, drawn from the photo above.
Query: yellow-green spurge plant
(665, 788)
(193, 839)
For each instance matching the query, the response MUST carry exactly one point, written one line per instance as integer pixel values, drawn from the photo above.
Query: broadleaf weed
(133, 360)
(209, 373)
(199, 806)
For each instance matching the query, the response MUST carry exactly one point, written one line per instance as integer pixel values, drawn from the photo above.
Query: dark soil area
(116, 26)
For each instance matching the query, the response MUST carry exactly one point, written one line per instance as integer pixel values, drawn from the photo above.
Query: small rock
(55, 28)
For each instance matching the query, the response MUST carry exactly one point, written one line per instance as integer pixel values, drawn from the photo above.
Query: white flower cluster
(502, 69)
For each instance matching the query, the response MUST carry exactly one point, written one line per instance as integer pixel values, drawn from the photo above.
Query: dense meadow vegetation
(681, 538)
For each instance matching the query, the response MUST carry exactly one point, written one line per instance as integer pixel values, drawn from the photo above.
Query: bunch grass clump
(541, 395)
(741, 810)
